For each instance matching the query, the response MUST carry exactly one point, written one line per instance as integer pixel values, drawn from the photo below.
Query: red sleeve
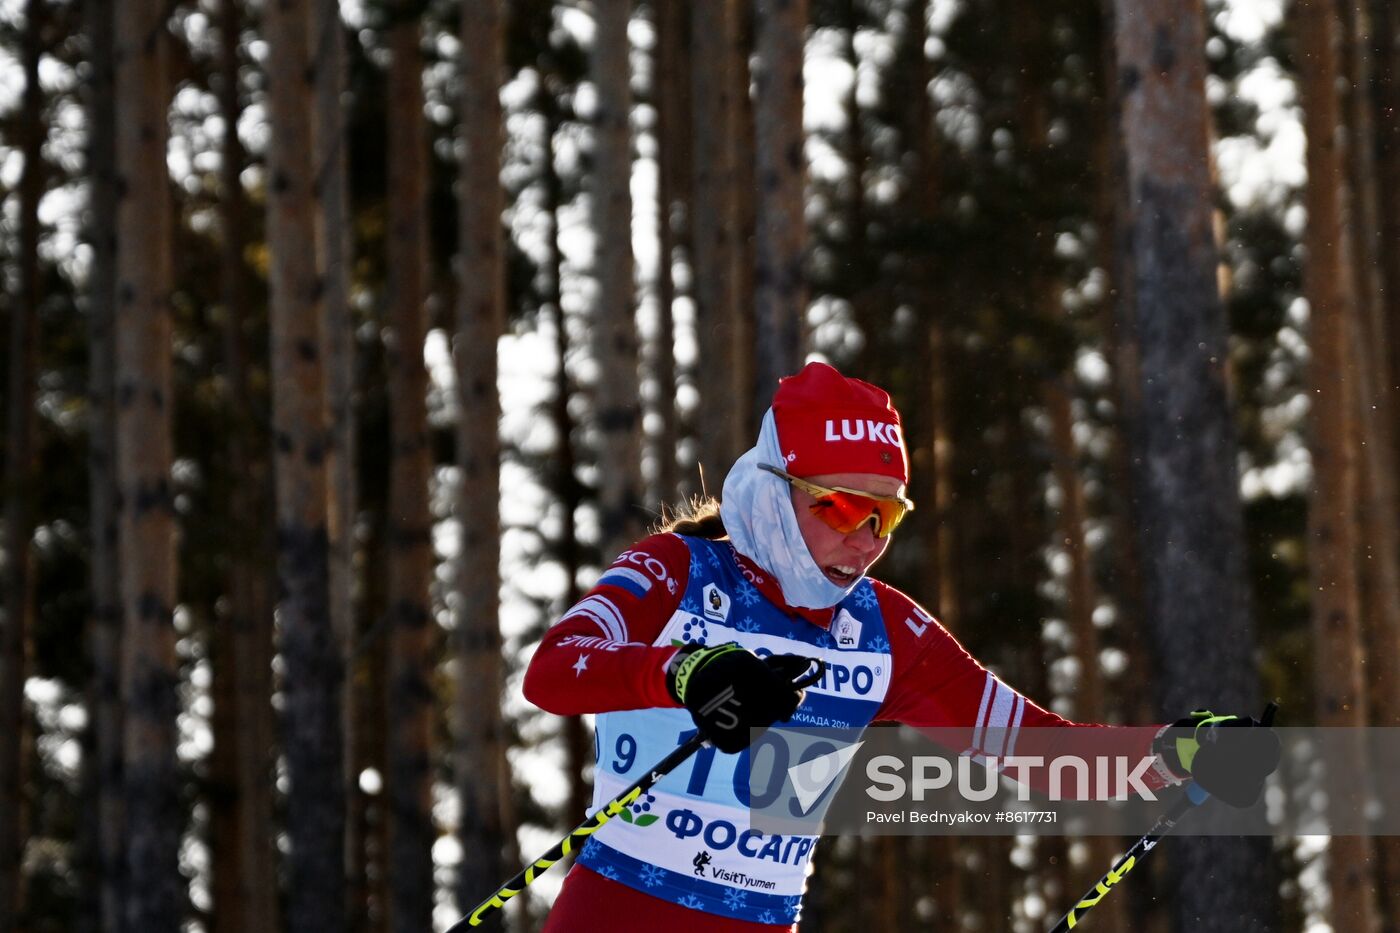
(942, 690)
(599, 657)
(937, 683)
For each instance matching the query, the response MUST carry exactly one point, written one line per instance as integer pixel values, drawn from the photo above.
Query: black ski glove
(1228, 756)
(730, 690)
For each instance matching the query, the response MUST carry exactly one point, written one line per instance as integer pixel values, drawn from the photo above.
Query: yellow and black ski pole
(579, 836)
(1193, 797)
(599, 817)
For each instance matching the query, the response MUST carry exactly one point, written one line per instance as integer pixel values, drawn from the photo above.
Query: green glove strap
(695, 661)
(1186, 748)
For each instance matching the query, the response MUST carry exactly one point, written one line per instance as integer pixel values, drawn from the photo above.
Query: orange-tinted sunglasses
(846, 510)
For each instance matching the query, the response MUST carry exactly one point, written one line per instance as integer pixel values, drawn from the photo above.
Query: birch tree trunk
(154, 900)
(1186, 495)
(311, 654)
(1333, 536)
(483, 780)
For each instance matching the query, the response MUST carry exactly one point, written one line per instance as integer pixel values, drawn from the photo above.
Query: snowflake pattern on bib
(733, 869)
(748, 595)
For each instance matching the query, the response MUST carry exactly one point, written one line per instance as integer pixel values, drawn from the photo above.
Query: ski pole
(1193, 797)
(599, 818)
(579, 835)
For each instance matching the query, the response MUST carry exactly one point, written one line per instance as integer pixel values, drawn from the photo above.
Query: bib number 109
(770, 750)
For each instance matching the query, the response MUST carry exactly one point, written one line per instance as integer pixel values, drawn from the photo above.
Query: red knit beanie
(828, 423)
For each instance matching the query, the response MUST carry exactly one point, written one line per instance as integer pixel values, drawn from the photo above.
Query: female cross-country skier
(675, 636)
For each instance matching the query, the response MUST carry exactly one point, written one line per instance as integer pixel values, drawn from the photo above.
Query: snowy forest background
(311, 428)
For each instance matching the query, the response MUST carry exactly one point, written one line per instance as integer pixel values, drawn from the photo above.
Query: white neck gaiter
(756, 507)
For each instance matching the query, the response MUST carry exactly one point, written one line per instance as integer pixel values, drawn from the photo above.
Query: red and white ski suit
(607, 654)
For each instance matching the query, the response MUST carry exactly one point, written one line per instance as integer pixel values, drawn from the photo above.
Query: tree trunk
(244, 643)
(883, 865)
(1371, 334)
(335, 223)
(1090, 704)
(943, 546)
(942, 501)
(870, 298)
(1123, 579)
(483, 781)
(675, 204)
(105, 627)
(251, 610)
(720, 434)
(1186, 494)
(1356, 66)
(935, 477)
(1043, 286)
(617, 406)
(1333, 535)
(311, 655)
(372, 733)
(155, 895)
(1385, 102)
(578, 747)
(1378, 415)
(221, 791)
(410, 699)
(16, 745)
(224, 793)
(743, 351)
(248, 625)
(780, 294)
(1025, 523)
